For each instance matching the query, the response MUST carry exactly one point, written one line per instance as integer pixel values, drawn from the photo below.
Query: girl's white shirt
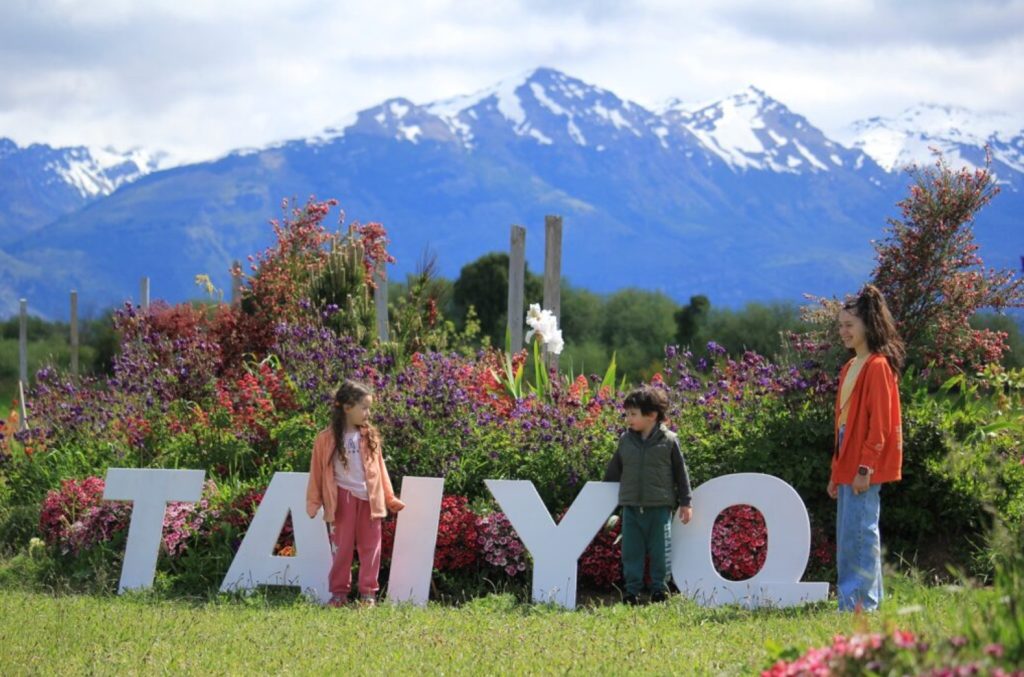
(352, 478)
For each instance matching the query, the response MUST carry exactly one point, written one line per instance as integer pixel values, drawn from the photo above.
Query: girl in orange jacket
(868, 445)
(348, 478)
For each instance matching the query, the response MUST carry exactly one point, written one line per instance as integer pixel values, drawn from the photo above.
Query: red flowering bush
(280, 275)
(256, 401)
(600, 564)
(933, 279)
(898, 653)
(75, 517)
(65, 506)
(456, 536)
(739, 542)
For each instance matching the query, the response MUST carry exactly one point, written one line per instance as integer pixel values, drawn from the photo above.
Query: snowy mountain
(738, 199)
(752, 131)
(960, 134)
(40, 183)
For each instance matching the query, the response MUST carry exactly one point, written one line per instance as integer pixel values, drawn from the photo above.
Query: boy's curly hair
(648, 400)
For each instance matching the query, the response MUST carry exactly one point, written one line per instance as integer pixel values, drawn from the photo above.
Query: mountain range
(739, 199)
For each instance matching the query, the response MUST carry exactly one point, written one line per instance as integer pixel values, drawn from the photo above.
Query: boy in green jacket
(653, 481)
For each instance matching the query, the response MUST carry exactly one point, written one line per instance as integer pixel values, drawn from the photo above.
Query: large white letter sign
(255, 564)
(150, 490)
(789, 544)
(555, 549)
(412, 560)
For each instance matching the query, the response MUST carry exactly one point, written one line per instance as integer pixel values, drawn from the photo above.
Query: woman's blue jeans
(858, 548)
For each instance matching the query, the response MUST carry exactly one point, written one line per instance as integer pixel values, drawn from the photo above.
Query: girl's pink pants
(354, 529)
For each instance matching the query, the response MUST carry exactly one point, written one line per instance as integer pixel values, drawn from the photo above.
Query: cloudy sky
(200, 77)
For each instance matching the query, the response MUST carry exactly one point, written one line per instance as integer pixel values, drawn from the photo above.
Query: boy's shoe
(337, 601)
(658, 597)
(631, 600)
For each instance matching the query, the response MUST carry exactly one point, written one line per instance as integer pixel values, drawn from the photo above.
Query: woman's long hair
(880, 328)
(349, 393)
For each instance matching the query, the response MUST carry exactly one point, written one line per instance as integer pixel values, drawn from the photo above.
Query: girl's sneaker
(337, 601)
(368, 600)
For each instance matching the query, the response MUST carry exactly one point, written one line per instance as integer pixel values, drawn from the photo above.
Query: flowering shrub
(898, 652)
(184, 522)
(739, 542)
(500, 546)
(67, 505)
(75, 518)
(456, 536)
(600, 564)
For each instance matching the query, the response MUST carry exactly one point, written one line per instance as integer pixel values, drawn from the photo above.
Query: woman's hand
(833, 490)
(861, 483)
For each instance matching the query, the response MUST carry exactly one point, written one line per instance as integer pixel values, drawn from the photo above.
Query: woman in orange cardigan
(868, 445)
(347, 476)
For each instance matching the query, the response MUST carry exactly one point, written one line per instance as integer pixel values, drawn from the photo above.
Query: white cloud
(201, 78)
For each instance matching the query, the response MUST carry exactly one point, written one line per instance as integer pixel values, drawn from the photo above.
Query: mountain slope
(739, 199)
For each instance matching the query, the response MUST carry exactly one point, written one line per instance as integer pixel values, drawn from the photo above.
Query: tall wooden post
(380, 300)
(22, 362)
(22, 409)
(516, 287)
(74, 332)
(553, 271)
(23, 341)
(144, 294)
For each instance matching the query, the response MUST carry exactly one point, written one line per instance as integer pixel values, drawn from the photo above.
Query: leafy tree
(582, 315)
(638, 325)
(690, 318)
(483, 284)
(758, 326)
(932, 276)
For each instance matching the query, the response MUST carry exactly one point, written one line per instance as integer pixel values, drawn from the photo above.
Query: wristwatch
(863, 470)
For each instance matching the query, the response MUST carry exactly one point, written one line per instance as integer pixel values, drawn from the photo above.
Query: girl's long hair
(349, 393)
(880, 328)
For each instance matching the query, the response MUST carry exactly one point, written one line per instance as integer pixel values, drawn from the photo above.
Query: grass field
(42, 633)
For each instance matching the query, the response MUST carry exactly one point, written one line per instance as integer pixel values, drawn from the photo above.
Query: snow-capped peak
(545, 105)
(958, 133)
(751, 130)
(100, 171)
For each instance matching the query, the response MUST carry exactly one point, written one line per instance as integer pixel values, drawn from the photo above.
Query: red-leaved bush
(739, 542)
(457, 542)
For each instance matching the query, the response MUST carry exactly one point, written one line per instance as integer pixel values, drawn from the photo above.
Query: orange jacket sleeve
(879, 413)
(390, 500)
(314, 499)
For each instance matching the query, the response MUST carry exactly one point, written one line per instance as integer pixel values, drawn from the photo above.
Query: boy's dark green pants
(646, 532)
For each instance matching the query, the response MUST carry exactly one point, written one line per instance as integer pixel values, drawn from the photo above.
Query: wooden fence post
(74, 332)
(23, 340)
(516, 287)
(380, 300)
(22, 410)
(144, 294)
(22, 361)
(553, 272)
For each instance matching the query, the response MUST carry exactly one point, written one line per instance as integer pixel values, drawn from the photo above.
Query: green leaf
(609, 375)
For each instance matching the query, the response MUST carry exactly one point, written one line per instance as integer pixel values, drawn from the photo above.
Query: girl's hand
(833, 490)
(685, 514)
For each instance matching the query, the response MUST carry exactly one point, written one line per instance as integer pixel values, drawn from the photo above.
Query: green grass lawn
(43, 633)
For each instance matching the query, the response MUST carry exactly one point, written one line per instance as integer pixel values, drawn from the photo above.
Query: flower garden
(240, 391)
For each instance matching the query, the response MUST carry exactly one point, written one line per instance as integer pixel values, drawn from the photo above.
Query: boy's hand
(833, 490)
(685, 514)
